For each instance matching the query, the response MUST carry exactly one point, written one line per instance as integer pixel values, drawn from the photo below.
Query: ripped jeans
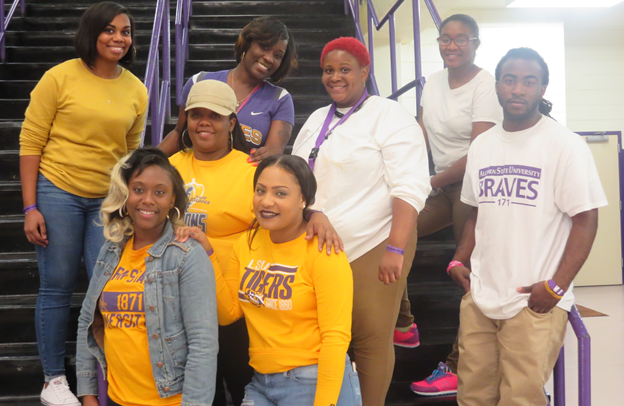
(298, 387)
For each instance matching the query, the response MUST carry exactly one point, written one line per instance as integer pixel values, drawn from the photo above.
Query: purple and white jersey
(265, 105)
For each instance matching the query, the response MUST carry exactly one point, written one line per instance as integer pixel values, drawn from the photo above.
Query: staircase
(43, 38)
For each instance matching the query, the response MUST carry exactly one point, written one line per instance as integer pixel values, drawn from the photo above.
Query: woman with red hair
(370, 161)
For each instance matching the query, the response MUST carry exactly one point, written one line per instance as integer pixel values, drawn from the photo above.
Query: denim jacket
(180, 318)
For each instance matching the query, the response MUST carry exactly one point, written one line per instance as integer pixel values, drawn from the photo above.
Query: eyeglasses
(459, 41)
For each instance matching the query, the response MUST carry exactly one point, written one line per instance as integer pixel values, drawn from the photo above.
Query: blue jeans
(298, 387)
(72, 234)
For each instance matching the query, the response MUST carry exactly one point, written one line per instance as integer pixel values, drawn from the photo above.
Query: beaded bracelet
(453, 264)
(554, 290)
(210, 252)
(30, 208)
(396, 250)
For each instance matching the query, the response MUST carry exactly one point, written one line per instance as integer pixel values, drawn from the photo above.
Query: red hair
(350, 45)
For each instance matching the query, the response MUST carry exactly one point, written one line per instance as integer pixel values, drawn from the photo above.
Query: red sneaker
(410, 339)
(441, 382)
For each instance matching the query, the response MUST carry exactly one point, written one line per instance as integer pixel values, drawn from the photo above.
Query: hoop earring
(182, 137)
(243, 55)
(134, 51)
(231, 140)
(121, 213)
(178, 213)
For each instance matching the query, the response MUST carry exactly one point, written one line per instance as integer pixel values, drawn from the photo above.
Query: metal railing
(4, 23)
(375, 22)
(184, 11)
(584, 364)
(159, 101)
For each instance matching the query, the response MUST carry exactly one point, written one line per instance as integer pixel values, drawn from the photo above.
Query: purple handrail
(159, 102)
(584, 363)
(4, 23)
(184, 11)
(375, 22)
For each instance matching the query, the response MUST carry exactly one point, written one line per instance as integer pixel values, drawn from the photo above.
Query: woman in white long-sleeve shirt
(370, 161)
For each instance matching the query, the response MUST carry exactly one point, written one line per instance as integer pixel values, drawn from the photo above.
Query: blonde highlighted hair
(113, 216)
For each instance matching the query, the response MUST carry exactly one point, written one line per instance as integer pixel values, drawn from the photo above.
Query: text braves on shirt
(268, 285)
(509, 184)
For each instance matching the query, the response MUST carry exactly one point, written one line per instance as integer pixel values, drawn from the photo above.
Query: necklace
(238, 102)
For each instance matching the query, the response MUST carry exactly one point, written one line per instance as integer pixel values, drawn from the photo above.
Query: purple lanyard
(324, 130)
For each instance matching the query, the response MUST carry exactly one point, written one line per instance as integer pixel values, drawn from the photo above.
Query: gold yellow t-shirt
(297, 303)
(130, 376)
(220, 197)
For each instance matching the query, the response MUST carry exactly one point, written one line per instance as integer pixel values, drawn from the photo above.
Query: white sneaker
(57, 393)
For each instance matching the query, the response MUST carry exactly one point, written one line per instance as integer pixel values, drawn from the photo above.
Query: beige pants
(375, 309)
(507, 362)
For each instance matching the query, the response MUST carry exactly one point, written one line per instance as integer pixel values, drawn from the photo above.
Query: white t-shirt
(377, 154)
(527, 186)
(448, 114)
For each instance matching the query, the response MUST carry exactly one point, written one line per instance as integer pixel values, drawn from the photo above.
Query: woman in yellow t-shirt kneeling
(297, 301)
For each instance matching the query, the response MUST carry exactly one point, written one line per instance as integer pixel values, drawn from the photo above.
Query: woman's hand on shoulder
(184, 233)
(319, 224)
(390, 267)
(35, 229)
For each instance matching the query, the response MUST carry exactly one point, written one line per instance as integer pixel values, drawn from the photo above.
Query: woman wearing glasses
(457, 105)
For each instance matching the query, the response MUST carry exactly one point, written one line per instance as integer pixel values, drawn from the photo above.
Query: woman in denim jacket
(151, 302)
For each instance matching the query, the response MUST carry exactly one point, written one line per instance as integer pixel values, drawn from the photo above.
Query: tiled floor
(607, 347)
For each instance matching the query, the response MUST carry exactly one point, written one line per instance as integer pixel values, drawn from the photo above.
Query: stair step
(17, 315)
(19, 274)
(22, 375)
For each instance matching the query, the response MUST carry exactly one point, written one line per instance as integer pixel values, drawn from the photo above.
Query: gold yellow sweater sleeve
(81, 125)
(228, 306)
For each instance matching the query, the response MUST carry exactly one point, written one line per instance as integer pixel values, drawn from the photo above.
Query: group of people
(220, 266)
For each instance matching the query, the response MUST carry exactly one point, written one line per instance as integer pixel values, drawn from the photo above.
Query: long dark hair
(238, 137)
(296, 166)
(92, 23)
(528, 54)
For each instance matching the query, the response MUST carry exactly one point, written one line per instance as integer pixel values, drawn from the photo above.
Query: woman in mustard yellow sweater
(297, 301)
(84, 115)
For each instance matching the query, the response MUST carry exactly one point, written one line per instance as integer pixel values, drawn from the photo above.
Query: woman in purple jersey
(265, 51)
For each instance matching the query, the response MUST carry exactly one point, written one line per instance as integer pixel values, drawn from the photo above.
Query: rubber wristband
(30, 208)
(396, 250)
(310, 213)
(210, 252)
(453, 264)
(554, 290)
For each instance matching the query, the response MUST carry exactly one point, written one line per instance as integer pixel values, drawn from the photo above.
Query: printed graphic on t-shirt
(251, 135)
(123, 309)
(268, 285)
(195, 194)
(507, 185)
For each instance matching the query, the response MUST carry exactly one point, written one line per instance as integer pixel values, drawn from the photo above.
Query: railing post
(393, 57)
(584, 357)
(434, 13)
(166, 54)
(559, 379)
(155, 103)
(417, 56)
(2, 33)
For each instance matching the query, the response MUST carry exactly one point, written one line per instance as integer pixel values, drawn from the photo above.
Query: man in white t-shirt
(535, 191)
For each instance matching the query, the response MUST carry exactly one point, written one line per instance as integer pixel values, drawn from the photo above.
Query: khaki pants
(375, 309)
(507, 362)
